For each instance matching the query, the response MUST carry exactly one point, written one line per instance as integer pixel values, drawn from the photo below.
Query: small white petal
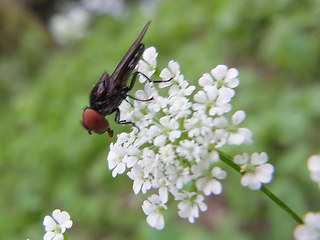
(219, 72)
(49, 223)
(163, 194)
(218, 173)
(241, 159)
(160, 140)
(236, 139)
(232, 83)
(213, 186)
(238, 117)
(225, 95)
(53, 236)
(212, 92)
(220, 122)
(246, 135)
(148, 207)
(150, 55)
(201, 204)
(312, 219)
(130, 161)
(205, 80)
(249, 180)
(200, 97)
(259, 159)
(137, 186)
(174, 67)
(264, 173)
(156, 220)
(173, 135)
(165, 74)
(119, 169)
(232, 73)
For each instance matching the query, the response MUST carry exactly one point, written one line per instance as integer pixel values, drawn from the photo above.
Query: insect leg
(134, 78)
(155, 81)
(117, 120)
(129, 102)
(141, 100)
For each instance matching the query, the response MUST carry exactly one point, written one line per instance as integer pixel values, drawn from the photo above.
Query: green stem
(228, 160)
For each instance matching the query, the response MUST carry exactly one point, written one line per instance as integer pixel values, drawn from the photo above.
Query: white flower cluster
(256, 169)
(56, 225)
(175, 149)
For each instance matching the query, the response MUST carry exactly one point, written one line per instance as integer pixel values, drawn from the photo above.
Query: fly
(107, 95)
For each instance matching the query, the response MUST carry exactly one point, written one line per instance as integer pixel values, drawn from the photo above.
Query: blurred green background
(48, 161)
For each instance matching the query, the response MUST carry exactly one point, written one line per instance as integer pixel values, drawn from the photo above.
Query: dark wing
(99, 92)
(122, 72)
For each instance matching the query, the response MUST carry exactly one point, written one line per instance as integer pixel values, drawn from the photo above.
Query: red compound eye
(94, 121)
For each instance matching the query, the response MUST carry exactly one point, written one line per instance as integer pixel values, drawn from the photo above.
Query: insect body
(107, 95)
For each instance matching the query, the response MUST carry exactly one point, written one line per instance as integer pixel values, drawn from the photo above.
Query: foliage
(48, 161)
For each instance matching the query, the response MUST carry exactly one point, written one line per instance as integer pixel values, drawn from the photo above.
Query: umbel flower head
(175, 151)
(56, 225)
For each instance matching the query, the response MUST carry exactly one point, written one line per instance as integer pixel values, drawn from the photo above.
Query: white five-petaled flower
(238, 135)
(148, 63)
(198, 124)
(181, 88)
(140, 181)
(168, 129)
(211, 185)
(115, 159)
(216, 100)
(256, 169)
(314, 168)
(172, 72)
(310, 230)
(179, 131)
(154, 208)
(190, 206)
(232, 133)
(221, 76)
(56, 225)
